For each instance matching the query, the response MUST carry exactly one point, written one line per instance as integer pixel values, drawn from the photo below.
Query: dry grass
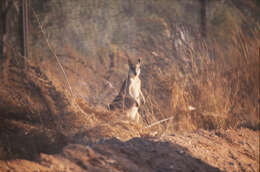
(222, 86)
(223, 89)
(36, 116)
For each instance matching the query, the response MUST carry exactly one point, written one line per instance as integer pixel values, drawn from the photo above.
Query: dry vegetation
(223, 91)
(206, 86)
(222, 86)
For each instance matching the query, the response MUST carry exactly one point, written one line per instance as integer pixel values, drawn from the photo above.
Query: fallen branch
(159, 122)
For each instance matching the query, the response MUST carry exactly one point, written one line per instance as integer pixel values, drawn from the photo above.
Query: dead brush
(210, 92)
(101, 124)
(223, 90)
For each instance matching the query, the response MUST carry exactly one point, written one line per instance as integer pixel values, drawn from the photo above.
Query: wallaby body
(130, 95)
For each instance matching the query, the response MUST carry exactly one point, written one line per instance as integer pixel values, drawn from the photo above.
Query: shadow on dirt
(19, 140)
(137, 154)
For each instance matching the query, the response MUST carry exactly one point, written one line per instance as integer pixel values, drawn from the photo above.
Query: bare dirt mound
(35, 116)
(199, 151)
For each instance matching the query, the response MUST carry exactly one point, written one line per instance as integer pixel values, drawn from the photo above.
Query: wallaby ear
(139, 61)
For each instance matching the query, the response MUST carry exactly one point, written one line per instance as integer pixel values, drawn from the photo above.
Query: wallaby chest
(134, 87)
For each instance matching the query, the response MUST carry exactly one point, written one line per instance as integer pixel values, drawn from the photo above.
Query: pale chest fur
(135, 87)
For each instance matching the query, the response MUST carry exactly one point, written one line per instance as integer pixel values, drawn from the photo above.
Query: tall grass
(221, 84)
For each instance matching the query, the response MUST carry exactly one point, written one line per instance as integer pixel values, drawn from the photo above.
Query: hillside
(199, 73)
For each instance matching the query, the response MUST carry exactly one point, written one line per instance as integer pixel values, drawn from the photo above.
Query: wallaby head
(134, 69)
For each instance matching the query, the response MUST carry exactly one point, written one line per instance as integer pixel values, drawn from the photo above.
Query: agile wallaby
(130, 95)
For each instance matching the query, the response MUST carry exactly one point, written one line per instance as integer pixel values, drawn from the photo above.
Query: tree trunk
(25, 24)
(203, 18)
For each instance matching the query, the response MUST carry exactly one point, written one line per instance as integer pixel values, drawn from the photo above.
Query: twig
(57, 59)
(53, 53)
(159, 122)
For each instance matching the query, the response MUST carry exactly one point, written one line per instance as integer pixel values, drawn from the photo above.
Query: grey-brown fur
(129, 97)
(123, 100)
